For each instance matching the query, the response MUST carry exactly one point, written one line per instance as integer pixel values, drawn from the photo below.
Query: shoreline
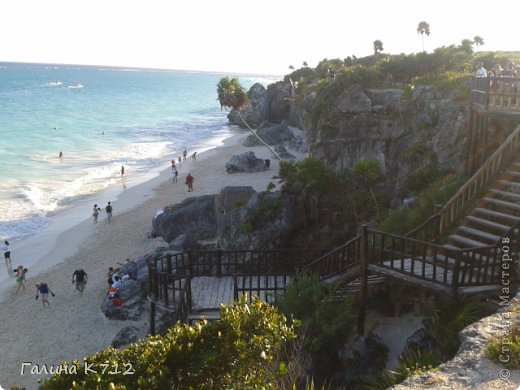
(40, 251)
(74, 326)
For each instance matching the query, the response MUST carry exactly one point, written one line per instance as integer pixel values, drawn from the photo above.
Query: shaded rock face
(133, 295)
(194, 217)
(133, 292)
(272, 134)
(470, 368)
(279, 103)
(269, 233)
(125, 336)
(365, 358)
(255, 112)
(246, 162)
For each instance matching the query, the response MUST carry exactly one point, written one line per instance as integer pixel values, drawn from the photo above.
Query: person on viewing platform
(481, 71)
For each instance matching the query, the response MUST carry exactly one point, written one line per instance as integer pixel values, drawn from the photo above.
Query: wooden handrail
(453, 208)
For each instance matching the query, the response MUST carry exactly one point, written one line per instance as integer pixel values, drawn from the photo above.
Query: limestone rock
(193, 216)
(246, 162)
(279, 101)
(132, 295)
(256, 110)
(271, 134)
(354, 103)
(125, 336)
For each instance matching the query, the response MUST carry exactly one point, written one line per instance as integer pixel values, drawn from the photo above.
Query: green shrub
(401, 221)
(326, 323)
(505, 350)
(265, 211)
(240, 350)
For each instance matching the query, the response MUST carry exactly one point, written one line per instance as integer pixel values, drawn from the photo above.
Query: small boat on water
(55, 83)
(77, 85)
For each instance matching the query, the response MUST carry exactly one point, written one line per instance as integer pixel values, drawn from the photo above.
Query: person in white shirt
(7, 251)
(481, 72)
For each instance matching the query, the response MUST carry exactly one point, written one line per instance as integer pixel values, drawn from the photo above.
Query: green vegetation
(241, 350)
(265, 211)
(401, 221)
(505, 350)
(416, 363)
(325, 323)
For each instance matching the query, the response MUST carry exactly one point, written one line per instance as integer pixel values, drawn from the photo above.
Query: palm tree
(291, 67)
(378, 47)
(230, 93)
(304, 64)
(478, 41)
(423, 28)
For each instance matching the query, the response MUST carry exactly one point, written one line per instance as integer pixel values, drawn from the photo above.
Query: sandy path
(74, 326)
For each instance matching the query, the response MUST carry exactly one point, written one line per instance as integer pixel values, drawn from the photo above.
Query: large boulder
(256, 110)
(271, 134)
(279, 101)
(125, 336)
(245, 162)
(354, 102)
(194, 217)
(133, 296)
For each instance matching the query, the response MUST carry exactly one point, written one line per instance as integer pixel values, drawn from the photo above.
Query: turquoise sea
(100, 118)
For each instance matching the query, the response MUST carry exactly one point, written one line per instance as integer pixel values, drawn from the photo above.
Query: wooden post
(469, 160)
(364, 281)
(152, 318)
(455, 276)
(436, 209)
(219, 263)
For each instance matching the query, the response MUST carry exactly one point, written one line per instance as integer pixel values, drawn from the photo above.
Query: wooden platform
(209, 292)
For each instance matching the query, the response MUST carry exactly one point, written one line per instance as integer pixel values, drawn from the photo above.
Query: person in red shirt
(189, 182)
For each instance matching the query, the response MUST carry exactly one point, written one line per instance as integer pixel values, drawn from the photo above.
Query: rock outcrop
(245, 162)
(194, 217)
(255, 112)
(470, 368)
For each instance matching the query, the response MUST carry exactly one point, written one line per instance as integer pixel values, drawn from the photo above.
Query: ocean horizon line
(142, 68)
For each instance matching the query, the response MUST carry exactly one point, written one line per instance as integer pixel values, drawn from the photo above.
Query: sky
(241, 36)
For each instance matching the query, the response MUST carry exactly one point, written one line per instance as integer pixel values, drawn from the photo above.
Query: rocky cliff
(470, 368)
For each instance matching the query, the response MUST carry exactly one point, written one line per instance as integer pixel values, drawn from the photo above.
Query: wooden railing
(169, 276)
(473, 188)
(264, 286)
(337, 261)
(496, 93)
(439, 265)
(453, 210)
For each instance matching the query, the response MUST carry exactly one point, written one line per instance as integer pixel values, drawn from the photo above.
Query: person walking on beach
(173, 165)
(80, 278)
(108, 209)
(179, 162)
(194, 156)
(189, 182)
(43, 290)
(175, 174)
(7, 252)
(20, 278)
(122, 171)
(185, 154)
(95, 213)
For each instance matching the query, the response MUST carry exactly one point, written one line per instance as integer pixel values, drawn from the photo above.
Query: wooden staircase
(494, 215)
(488, 205)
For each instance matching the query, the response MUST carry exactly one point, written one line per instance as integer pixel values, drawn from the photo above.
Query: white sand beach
(73, 326)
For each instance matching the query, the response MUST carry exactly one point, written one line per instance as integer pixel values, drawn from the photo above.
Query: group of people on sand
(108, 210)
(79, 278)
(189, 179)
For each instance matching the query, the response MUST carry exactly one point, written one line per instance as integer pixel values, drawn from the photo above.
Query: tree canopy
(230, 93)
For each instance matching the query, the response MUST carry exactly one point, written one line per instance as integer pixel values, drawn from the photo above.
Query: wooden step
(488, 237)
(511, 195)
(488, 224)
(513, 174)
(502, 203)
(495, 214)
(466, 242)
(510, 184)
